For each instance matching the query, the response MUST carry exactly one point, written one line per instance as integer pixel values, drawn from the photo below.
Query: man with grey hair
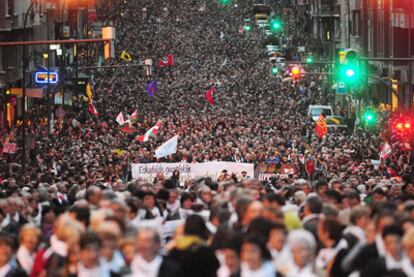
(303, 247)
(148, 262)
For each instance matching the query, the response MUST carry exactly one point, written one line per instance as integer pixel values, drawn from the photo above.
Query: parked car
(262, 23)
(336, 122)
(315, 111)
(271, 48)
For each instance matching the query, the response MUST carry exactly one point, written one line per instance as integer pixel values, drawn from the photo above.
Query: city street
(200, 138)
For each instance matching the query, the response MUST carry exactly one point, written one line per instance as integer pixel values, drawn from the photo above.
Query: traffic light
(349, 73)
(247, 28)
(275, 70)
(295, 72)
(350, 56)
(309, 59)
(403, 125)
(370, 118)
(225, 2)
(275, 25)
(348, 68)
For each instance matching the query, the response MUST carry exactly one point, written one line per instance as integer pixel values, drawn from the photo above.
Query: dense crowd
(76, 211)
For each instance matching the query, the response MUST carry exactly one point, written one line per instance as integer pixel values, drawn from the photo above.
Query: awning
(30, 92)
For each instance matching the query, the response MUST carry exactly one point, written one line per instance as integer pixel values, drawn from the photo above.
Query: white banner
(189, 170)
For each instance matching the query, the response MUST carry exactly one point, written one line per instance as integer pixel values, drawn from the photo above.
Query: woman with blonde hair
(28, 240)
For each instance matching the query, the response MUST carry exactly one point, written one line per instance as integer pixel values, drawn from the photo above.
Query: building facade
(46, 20)
(380, 30)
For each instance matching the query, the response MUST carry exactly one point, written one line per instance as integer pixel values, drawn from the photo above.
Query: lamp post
(349, 22)
(24, 58)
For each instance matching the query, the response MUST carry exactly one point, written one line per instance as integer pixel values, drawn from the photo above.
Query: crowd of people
(74, 209)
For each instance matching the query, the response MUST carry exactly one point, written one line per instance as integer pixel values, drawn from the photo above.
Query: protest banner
(267, 170)
(189, 170)
(9, 148)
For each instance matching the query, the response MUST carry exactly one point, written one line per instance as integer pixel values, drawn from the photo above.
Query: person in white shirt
(359, 222)
(256, 258)
(303, 246)
(62, 198)
(110, 235)
(408, 260)
(89, 263)
(148, 262)
(150, 211)
(173, 204)
(8, 265)
(229, 256)
(278, 247)
(29, 238)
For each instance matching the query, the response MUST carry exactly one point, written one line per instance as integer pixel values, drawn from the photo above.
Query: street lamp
(24, 57)
(24, 64)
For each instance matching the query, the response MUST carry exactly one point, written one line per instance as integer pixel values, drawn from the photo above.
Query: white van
(315, 111)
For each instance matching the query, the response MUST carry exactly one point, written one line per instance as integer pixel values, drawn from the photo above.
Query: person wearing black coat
(192, 252)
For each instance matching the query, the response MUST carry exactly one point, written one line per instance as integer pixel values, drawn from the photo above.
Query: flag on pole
(126, 56)
(92, 109)
(89, 92)
(120, 119)
(150, 133)
(385, 151)
(127, 127)
(169, 61)
(167, 148)
(134, 117)
(321, 128)
(152, 88)
(209, 95)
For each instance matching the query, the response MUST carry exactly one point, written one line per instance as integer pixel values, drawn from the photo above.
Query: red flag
(209, 95)
(127, 129)
(170, 59)
(385, 151)
(167, 62)
(92, 109)
(321, 128)
(152, 132)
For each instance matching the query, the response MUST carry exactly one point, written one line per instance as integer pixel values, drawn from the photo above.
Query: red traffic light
(403, 124)
(295, 70)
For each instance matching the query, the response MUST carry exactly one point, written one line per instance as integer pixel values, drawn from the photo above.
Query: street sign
(340, 88)
(41, 77)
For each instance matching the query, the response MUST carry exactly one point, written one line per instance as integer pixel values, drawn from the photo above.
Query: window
(356, 23)
(10, 7)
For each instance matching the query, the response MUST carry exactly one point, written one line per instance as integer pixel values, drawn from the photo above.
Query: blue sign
(340, 88)
(44, 77)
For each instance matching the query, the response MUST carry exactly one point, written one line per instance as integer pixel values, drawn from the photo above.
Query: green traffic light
(309, 59)
(225, 2)
(350, 72)
(275, 25)
(370, 118)
(275, 70)
(247, 28)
